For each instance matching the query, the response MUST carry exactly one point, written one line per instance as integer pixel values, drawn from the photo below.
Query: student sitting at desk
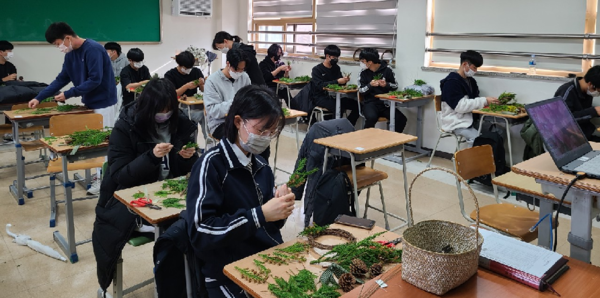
(117, 59)
(8, 71)
(234, 209)
(460, 97)
(271, 70)
(327, 73)
(134, 75)
(373, 107)
(225, 42)
(145, 147)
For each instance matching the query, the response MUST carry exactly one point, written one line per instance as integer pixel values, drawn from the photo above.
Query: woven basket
(424, 262)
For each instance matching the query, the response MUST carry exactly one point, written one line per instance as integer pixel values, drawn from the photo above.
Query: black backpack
(495, 140)
(334, 196)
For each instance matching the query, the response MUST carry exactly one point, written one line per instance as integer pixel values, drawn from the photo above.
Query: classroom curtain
(262, 9)
(356, 16)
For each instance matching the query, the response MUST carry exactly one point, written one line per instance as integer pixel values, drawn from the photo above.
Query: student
(327, 73)
(117, 60)
(235, 210)
(134, 75)
(145, 147)
(271, 70)
(460, 96)
(8, 71)
(373, 107)
(579, 94)
(224, 42)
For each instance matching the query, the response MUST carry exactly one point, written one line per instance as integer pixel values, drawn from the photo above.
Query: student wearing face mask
(117, 58)
(273, 70)
(224, 42)
(373, 107)
(327, 73)
(88, 67)
(8, 71)
(134, 75)
(185, 74)
(460, 96)
(235, 210)
(146, 146)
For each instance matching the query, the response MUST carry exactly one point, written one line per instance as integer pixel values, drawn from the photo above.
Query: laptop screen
(557, 127)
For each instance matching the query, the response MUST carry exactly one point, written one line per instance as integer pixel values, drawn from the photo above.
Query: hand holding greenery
(377, 77)
(508, 105)
(49, 99)
(189, 145)
(299, 176)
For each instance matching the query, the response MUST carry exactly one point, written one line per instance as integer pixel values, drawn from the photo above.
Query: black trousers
(374, 109)
(345, 104)
(219, 133)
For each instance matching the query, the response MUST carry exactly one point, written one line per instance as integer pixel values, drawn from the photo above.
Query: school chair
(359, 101)
(319, 113)
(505, 218)
(443, 133)
(64, 125)
(209, 138)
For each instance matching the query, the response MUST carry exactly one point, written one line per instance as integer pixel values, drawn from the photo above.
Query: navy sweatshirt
(454, 88)
(225, 220)
(366, 76)
(90, 70)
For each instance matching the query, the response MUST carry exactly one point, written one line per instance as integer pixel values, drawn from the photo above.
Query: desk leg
(289, 93)
(325, 161)
(408, 215)
(481, 123)
(189, 112)
(392, 115)
(420, 116)
(580, 236)
(188, 278)
(354, 184)
(297, 137)
(338, 108)
(510, 158)
(68, 247)
(17, 188)
(543, 230)
(275, 158)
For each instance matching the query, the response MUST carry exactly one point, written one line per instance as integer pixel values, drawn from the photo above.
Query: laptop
(563, 137)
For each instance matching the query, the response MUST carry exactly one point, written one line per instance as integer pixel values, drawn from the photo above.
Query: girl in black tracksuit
(234, 210)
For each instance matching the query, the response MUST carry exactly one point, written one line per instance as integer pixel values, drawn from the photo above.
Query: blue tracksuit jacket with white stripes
(225, 219)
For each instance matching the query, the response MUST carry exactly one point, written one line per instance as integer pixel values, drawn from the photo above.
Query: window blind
(273, 9)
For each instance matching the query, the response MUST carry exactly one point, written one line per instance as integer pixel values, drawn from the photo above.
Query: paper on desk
(517, 254)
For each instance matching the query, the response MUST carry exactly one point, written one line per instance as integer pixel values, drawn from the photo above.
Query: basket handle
(459, 179)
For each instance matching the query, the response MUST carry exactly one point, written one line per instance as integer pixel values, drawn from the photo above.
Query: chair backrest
(40, 105)
(474, 162)
(67, 124)
(438, 103)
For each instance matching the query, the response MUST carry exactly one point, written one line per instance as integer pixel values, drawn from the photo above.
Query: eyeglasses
(264, 132)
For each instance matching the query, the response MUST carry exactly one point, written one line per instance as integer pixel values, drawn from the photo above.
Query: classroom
(305, 148)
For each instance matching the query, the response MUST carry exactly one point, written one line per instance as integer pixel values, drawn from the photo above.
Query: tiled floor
(25, 273)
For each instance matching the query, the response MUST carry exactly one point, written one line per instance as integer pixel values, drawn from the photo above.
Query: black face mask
(277, 57)
(333, 61)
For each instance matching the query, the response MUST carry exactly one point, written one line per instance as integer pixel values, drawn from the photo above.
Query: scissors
(143, 202)
(391, 243)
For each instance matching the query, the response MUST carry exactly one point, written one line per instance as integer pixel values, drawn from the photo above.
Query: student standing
(88, 67)
(117, 59)
(8, 71)
(234, 208)
(460, 96)
(133, 75)
(224, 42)
(373, 107)
(327, 73)
(271, 70)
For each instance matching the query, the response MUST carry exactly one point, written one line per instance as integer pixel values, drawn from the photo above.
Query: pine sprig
(251, 275)
(173, 203)
(178, 186)
(419, 82)
(273, 260)
(88, 137)
(315, 229)
(377, 77)
(261, 267)
(298, 247)
(299, 176)
(162, 193)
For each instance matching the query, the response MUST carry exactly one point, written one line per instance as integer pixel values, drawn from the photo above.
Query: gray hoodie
(119, 64)
(218, 96)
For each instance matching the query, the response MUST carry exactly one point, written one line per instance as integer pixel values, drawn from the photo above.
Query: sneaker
(95, 188)
(145, 229)
(8, 137)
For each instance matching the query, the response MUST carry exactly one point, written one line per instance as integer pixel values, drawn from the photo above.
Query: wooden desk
(581, 280)
(189, 102)
(369, 144)
(582, 197)
(288, 87)
(58, 146)
(262, 291)
(419, 103)
(19, 117)
(292, 118)
(508, 119)
(338, 99)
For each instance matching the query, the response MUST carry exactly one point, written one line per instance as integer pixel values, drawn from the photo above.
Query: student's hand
(597, 110)
(33, 103)
(382, 83)
(343, 81)
(187, 153)
(10, 77)
(191, 85)
(282, 68)
(162, 149)
(374, 83)
(283, 190)
(60, 97)
(278, 208)
(200, 81)
(491, 100)
(288, 68)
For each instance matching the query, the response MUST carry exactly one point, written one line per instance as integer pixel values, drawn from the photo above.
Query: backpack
(495, 140)
(334, 195)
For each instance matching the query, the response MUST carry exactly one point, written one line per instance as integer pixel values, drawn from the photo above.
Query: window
(269, 38)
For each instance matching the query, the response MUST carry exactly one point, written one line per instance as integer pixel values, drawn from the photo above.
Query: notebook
(563, 137)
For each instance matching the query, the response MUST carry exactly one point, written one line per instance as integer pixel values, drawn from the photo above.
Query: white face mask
(363, 66)
(64, 48)
(9, 55)
(593, 93)
(256, 144)
(186, 71)
(235, 75)
(138, 65)
(224, 50)
(469, 72)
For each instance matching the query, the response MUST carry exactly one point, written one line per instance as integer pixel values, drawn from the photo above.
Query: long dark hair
(158, 95)
(221, 36)
(254, 102)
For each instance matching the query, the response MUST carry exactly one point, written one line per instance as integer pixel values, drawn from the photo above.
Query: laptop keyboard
(591, 166)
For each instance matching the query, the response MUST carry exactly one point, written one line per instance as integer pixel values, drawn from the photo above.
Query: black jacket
(225, 219)
(267, 66)
(130, 163)
(322, 76)
(580, 105)
(252, 68)
(129, 75)
(366, 76)
(454, 88)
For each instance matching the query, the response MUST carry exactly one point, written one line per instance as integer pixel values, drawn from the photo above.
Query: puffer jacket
(534, 145)
(130, 163)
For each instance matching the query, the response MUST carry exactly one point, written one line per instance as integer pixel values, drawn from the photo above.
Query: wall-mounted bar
(521, 54)
(324, 33)
(515, 35)
(323, 45)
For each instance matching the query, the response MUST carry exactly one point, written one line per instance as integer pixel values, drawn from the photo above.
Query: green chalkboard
(100, 20)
